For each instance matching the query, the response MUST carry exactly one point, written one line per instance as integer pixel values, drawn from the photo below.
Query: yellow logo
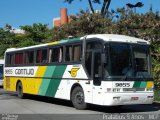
(73, 72)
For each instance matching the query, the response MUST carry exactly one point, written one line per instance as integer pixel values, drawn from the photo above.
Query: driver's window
(97, 73)
(90, 47)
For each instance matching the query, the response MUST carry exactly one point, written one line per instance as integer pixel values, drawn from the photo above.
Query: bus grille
(133, 89)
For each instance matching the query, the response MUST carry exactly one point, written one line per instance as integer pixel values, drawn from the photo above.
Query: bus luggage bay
(102, 69)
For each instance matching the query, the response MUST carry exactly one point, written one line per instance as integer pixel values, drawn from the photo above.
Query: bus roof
(42, 45)
(118, 38)
(105, 37)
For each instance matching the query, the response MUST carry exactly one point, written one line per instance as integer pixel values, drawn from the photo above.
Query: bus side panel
(52, 81)
(10, 83)
(76, 76)
(30, 85)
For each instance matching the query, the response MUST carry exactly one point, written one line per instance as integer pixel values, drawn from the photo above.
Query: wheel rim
(79, 98)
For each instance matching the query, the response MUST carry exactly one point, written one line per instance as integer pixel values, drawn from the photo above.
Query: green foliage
(38, 33)
(7, 39)
(156, 95)
(35, 34)
(82, 24)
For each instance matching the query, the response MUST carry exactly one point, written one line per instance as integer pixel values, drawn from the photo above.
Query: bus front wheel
(77, 98)
(19, 89)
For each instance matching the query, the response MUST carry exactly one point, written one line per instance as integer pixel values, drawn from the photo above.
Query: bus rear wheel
(19, 90)
(77, 98)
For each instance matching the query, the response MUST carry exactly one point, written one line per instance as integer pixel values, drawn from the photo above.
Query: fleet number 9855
(122, 84)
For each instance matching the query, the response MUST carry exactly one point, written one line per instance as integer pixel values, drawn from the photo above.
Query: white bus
(102, 69)
(1, 71)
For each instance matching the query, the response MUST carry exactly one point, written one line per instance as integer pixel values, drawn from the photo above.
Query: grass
(157, 95)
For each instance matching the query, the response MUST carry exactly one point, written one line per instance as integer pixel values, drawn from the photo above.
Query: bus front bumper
(114, 99)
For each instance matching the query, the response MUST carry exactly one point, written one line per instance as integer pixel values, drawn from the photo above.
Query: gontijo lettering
(24, 71)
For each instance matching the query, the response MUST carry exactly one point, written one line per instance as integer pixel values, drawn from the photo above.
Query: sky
(26, 12)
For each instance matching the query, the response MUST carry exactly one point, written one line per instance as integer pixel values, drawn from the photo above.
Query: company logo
(73, 72)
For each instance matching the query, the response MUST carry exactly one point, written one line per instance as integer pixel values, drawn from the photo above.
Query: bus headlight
(149, 89)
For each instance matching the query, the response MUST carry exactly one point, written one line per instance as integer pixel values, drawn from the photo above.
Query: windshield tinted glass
(127, 60)
(1, 71)
(141, 58)
(120, 59)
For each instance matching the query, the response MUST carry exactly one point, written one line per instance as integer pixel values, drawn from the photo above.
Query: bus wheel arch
(19, 89)
(77, 97)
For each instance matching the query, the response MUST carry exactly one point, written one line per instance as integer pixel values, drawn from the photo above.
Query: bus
(101, 69)
(1, 71)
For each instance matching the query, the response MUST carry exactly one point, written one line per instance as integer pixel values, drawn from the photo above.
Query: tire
(117, 107)
(77, 98)
(19, 90)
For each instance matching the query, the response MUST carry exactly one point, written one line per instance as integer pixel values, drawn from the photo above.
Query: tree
(104, 8)
(138, 4)
(82, 24)
(7, 39)
(38, 33)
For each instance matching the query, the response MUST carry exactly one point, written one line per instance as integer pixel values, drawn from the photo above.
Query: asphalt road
(45, 108)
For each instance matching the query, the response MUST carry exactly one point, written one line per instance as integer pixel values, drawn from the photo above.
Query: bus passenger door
(97, 77)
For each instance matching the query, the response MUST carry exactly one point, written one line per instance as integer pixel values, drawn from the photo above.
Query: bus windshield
(128, 60)
(1, 71)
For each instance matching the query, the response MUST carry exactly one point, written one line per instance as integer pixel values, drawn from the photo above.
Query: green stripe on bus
(137, 84)
(54, 83)
(43, 88)
(45, 82)
(143, 84)
(62, 41)
(74, 39)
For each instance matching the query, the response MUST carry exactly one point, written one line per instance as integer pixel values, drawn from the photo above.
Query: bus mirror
(104, 60)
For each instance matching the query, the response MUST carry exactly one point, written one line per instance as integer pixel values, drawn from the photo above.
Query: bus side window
(19, 58)
(94, 45)
(77, 52)
(44, 56)
(57, 54)
(29, 57)
(38, 56)
(60, 54)
(68, 55)
(88, 62)
(10, 59)
(50, 55)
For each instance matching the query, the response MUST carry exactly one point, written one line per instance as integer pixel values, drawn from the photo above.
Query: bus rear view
(1, 72)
